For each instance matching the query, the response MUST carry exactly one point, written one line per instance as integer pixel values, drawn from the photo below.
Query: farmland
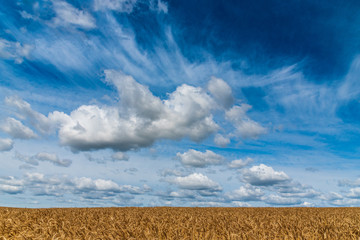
(180, 223)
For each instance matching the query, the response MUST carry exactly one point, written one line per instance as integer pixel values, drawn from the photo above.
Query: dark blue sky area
(324, 35)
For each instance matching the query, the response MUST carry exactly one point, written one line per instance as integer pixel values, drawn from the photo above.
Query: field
(180, 223)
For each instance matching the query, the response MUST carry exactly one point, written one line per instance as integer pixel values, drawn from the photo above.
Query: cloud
(16, 129)
(345, 202)
(245, 193)
(221, 92)
(119, 156)
(331, 196)
(278, 200)
(294, 189)
(354, 193)
(11, 185)
(41, 185)
(240, 163)
(53, 158)
(171, 172)
(87, 184)
(44, 157)
(139, 120)
(162, 6)
(6, 144)
(244, 126)
(24, 111)
(115, 5)
(349, 183)
(263, 175)
(311, 169)
(196, 181)
(221, 141)
(29, 160)
(193, 158)
(14, 51)
(66, 14)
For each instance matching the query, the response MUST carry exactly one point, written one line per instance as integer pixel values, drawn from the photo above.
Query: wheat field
(180, 223)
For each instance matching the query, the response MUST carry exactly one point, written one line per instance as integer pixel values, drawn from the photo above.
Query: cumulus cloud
(115, 5)
(6, 144)
(240, 163)
(88, 184)
(66, 14)
(221, 92)
(263, 175)
(53, 158)
(244, 126)
(245, 193)
(140, 120)
(16, 129)
(196, 181)
(221, 141)
(193, 158)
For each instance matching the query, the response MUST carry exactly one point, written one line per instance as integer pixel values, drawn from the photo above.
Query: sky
(179, 103)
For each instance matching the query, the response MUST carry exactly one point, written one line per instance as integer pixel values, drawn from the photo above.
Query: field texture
(180, 223)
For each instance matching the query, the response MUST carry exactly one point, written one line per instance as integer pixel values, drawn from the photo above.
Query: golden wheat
(180, 223)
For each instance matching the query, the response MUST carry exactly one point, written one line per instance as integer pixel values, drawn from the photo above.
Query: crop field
(180, 223)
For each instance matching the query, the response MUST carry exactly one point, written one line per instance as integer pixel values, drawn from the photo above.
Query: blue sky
(179, 103)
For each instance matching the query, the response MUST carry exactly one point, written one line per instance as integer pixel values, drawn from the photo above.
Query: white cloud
(26, 159)
(278, 200)
(245, 193)
(221, 92)
(16, 129)
(139, 120)
(119, 156)
(245, 127)
(14, 50)
(354, 193)
(66, 14)
(331, 196)
(87, 184)
(193, 158)
(240, 163)
(162, 6)
(241, 204)
(346, 202)
(196, 181)
(53, 158)
(221, 141)
(115, 5)
(11, 185)
(43, 156)
(294, 189)
(6, 144)
(263, 175)
(39, 121)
